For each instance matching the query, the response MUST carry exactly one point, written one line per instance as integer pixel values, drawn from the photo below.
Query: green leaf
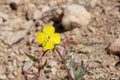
(67, 57)
(70, 67)
(80, 72)
(32, 58)
(42, 66)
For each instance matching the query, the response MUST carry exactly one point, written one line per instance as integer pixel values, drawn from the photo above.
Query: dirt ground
(89, 44)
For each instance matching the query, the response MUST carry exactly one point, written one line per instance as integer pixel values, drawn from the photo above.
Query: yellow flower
(48, 37)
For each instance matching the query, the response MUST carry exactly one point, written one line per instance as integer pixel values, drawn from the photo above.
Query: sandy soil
(90, 43)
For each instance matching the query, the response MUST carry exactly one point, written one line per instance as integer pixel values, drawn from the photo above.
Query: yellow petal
(48, 45)
(41, 37)
(49, 30)
(56, 38)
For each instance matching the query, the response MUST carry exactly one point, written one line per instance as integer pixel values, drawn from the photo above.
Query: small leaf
(42, 66)
(67, 57)
(80, 71)
(32, 58)
(70, 67)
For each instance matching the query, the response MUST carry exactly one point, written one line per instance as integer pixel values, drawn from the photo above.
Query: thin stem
(65, 44)
(28, 70)
(64, 63)
(39, 74)
(40, 60)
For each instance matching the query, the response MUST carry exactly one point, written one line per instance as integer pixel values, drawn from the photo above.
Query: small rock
(30, 11)
(26, 25)
(54, 70)
(33, 12)
(75, 16)
(13, 6)
(4, 16)
(2, 69)
(52, 63)
(43, 8)
(14, 23)
(26, 66)
(1, 20)
(91, 3)
(53, 2)
(11, 76)
(10, 68)
(35, 70)
(3, 77)
(91, 29)
(37, 14)
(57, 15)
(114, 47)
(14, 63)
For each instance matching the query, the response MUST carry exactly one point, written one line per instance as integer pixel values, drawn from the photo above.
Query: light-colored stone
(11, 76)
(75, 16)
(27, 65)
(37, 14)
(54, 70)
(33, 12)
(52, 63)
(30, 11)
(2, 69)
(114, 47)
(1, 20)
(43, 8)
(4, 16)
(3, 77)
(91, 3)
(14, 23)
(16, 28)
(52, 2)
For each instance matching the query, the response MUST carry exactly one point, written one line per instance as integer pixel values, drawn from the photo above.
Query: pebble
(54, 70)
(53, 2)
(52, 63)
(91, 3)
(10, 76)
(30, 11)
(13, 6)
(3, 77)
(2, 69)
(26, 66)
(57, 15)
(33, 12)
(37, 14)
(1, 20)
(4, 16)
(10, 68)
(14, 23)
(43, 8)
(114, 47)
(75, 16)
